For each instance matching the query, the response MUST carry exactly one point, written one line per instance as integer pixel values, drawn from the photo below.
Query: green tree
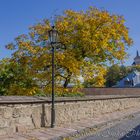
(14, 79)
(115, 73)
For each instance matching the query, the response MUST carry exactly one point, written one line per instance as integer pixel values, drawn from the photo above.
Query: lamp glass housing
(53, 35)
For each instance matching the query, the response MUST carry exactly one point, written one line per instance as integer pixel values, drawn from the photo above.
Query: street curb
(87, 131)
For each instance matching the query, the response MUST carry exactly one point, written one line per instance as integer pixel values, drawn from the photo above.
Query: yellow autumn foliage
(89, 39)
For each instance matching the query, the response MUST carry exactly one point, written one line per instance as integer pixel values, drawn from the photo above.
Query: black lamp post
(53, 36)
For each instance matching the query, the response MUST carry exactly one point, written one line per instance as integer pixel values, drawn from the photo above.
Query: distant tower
(137, 53)
(136, 59)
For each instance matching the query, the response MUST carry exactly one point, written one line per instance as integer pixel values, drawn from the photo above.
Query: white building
(132, 79)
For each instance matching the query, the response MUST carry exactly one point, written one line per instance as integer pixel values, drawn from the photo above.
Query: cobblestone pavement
(124, 130)
(80, 129)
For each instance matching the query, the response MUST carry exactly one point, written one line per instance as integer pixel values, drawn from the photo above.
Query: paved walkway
(75, 130)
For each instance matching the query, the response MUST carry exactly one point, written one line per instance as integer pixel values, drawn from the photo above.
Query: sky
(16, 16)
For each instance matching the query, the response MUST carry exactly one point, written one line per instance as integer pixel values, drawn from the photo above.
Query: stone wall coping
(37, 100)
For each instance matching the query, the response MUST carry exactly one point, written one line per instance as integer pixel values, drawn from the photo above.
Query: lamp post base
(52, 118)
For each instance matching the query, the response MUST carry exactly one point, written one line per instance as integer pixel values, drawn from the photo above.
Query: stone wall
(20, 117)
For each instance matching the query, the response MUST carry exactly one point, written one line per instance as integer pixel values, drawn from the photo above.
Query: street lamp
(53, 37)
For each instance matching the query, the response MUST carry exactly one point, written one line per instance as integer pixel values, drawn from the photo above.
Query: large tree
(88, 39)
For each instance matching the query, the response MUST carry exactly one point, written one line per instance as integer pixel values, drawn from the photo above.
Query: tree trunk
(67, 81)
